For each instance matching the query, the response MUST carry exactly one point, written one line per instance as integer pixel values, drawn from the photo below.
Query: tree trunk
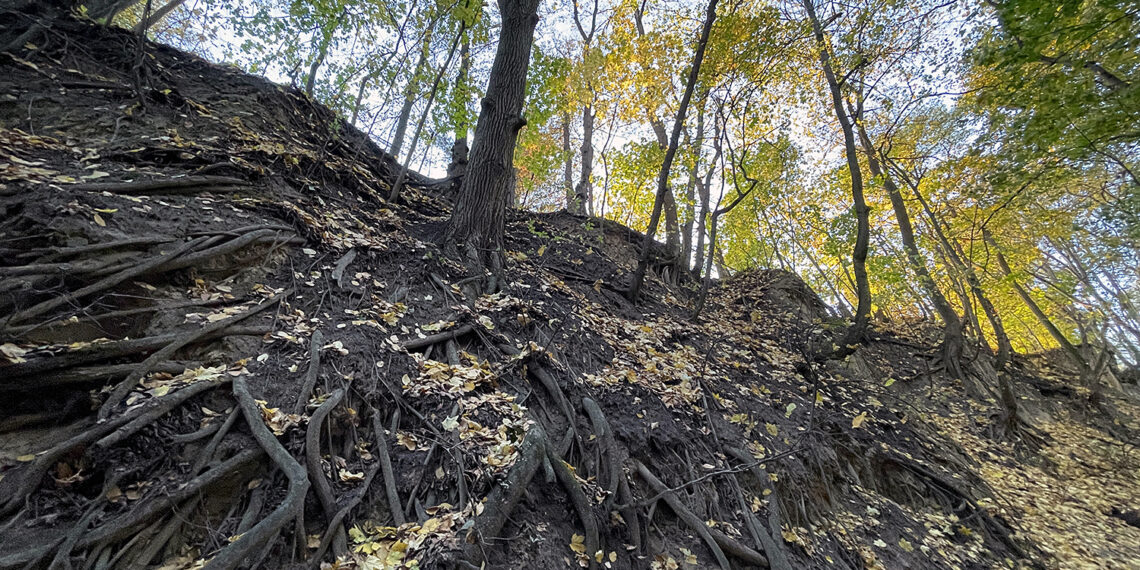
(670, 153)
(952, 341)
(477, 221)
(1005, 347)
(1059, 337)
(572, 204)
(584, 191)
(394, 195)
(158, 15)
(459, 149)
(104, 11)
(411, 93)
(856, 333)
(672, 229)
(318, 60)
(690, 191)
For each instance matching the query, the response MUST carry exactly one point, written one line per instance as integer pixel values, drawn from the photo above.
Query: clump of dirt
(221, 347)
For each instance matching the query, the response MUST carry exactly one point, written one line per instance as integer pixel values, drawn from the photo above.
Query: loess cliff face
(220, 347)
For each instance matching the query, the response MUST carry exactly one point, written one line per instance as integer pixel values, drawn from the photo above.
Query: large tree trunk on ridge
(478, 219)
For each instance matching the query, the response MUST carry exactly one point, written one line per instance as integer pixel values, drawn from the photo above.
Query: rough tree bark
(856, 333)
(584, 190)
(477, 221)
(670, 153)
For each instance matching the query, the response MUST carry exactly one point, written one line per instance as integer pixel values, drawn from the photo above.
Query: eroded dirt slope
(222, 348)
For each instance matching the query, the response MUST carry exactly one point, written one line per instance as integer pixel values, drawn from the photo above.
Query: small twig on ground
(418, 343)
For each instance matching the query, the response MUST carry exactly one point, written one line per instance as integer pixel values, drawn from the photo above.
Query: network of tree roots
(223, 348)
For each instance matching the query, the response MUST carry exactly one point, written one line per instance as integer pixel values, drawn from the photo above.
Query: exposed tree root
(578, 499)
(128, 523)
(684, 514)
(185, 184)
(337, 519)
(108, 350)
(418, 343)
(207, 453)
(17, 487)
(390, 491)
(609, 448)
(768, 538)
(311, 373)
(102, 285)
(316, 473)
(503, 498)
(60, 322)
(200, 257)
(123, 388)
(86, 375)
(53, 254)
(992, 526)
(263, 532)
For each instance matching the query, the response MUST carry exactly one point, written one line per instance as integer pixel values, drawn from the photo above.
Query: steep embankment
(220, 346)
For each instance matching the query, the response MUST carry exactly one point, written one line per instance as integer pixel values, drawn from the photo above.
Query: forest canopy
(1001, 133)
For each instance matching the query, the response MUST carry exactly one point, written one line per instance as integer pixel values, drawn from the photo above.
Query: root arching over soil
(223, 348)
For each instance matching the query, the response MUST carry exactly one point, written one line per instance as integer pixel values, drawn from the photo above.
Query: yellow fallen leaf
(858, 420)
(773, 429)
(26, 458)
(99, 220)
(578, 543)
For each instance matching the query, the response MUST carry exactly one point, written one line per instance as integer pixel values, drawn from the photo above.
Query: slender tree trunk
(411, 95)
(394, 195)
(671, 152)
(1005, 347)
(318, 60)
(707, 283)
(858, 330)
(704, 191)
(953, 341)
(672, 229)
(1042, 318)
(158, 15)
(477, 221)
(572, 204)
(459, 149)
(584, 191)
(104, 11)
(702, 216)
(690, 191)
